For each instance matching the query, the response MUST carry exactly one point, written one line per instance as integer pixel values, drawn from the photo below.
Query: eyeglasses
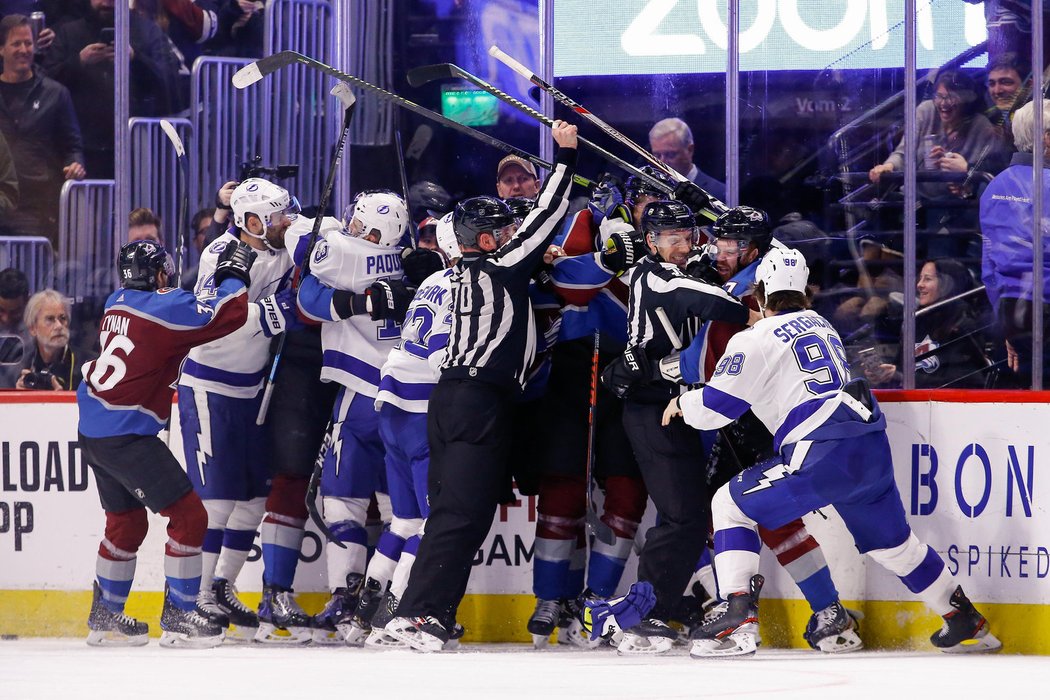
(943, 99)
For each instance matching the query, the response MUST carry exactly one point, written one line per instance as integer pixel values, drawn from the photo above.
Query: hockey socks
(922, 570)
(238, 538)
(219, 511)
(346, 519)
(801, 556)
(607, 561)
(399, 580)
(555, 548)
(281, 531)
(115, 566)
(187, 525)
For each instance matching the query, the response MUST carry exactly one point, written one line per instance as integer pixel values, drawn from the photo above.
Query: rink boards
(971, 467)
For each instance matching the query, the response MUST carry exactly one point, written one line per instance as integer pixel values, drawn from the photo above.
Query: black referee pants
(469, 429)
(672, 463)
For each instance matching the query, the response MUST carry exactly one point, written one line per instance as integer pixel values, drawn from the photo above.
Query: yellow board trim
(501, 618)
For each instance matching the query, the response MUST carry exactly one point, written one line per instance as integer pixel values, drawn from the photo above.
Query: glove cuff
(270, 317)
(347, 304)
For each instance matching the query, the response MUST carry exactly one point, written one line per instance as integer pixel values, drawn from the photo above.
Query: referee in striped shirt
(492, 342)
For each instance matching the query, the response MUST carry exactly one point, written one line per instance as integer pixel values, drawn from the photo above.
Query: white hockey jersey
(413, 368)
(788, 369)
(235, 365)
(354, 348)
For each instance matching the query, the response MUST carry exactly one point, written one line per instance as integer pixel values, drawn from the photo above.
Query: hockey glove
(235, 261)
(420, 263)
(690, 194)
(627, 372)
(606, 199)
(622, 251)
(701, 265)
(277, 313)
(390, 299)
(603, 617)
(670, 368)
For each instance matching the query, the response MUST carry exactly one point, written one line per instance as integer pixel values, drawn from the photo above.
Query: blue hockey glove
(602, 617)
(605, 198)
(277, 313)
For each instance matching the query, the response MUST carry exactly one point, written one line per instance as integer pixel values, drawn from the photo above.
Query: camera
(255, 168)
(40, 381)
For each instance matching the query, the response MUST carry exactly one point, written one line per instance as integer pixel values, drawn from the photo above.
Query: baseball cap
(516, 160)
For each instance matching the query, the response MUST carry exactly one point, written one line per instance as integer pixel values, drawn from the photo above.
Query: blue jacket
(1006, 223)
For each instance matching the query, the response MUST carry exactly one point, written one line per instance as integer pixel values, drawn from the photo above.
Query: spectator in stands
(144, 225)
(671, 140)
(51, 363)
(245, 36)
(1007, 261)
(1007, 75)
(949, 346)
(8, 183)
(82, 59)
(516, 177)
(40, 126)
(14, 294)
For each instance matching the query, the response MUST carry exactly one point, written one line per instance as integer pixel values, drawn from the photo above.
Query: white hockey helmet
(384, 213)
(264, 199)
(447, 241)
(781, 270)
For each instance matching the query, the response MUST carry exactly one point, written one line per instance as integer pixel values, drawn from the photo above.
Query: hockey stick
(184, 200)
(314, 485)
(448, 71)
(575, 106)
(346, 96)
(594, 523)
(256, 71)
(403, 173)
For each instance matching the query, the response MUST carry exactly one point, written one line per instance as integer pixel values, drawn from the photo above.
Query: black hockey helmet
(744, 224)
(478, 215)
(520, 207)
(139, 263)
(428, 198)
(638, 186)
(666, 215)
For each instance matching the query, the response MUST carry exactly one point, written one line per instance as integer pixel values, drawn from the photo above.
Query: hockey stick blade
(449, 71)
(257, 70)
(249, 75)
(173, 136)
(345, 94)
(288, 57)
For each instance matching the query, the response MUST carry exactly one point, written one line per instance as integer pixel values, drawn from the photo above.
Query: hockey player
(355, 287)
(219, 394)
(669, 460)
(585, 276)
(491, 346)
(743, 237)
(831, 449)
(124, 401)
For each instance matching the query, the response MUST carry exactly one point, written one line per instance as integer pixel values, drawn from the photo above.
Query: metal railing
(32, 255)
(86, 239)
(154, 172)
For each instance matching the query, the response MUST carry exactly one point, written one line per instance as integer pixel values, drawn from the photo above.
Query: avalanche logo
(383, 209)
(321, 251)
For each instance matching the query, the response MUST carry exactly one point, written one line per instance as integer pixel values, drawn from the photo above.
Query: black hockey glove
(692, 196)
(627, 372)
(701, 265)
(420, 263)
(390, 299)
(622, 251)
(236, 261)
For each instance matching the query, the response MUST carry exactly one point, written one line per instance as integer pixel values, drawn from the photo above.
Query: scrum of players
(702, 337)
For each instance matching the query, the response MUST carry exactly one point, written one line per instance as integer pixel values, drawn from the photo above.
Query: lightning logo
(204, 448)
(772, 475)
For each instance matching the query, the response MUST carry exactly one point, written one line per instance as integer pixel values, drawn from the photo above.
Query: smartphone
(108, 35)
(869, 359)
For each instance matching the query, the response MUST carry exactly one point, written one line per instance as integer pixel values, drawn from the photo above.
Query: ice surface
(67, 668)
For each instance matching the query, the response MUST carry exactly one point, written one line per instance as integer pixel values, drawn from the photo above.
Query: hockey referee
(491, 345)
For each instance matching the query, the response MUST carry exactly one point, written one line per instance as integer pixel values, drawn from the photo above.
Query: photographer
(50, 363)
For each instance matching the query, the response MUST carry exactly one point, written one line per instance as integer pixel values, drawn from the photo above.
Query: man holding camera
(50, 362)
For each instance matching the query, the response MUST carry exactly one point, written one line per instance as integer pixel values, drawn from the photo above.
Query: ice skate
(454, 635)
(281, 620)
(359, 626)
(570, 626)
(424, 634)
(244, 623)
(734, 632)
(210, 609)
(544, 621)
(650, 636)
(378, 638)
(965, 630)
(113, 629)
(328, 624)
(187, 628)
(834, 629)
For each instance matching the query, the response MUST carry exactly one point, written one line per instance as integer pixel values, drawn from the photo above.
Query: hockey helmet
(139, 263)
(378, 212)
(428, 198)
(783, 270)
(668, 215)
(744, 224)
(265, 200)
(447, 241)
(638, 186)
(520, 207)
(477, 215)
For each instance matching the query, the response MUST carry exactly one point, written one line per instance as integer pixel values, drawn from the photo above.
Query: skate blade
(576, 637)
(241, 635)
(98, 638)
(416, 640)
(379, 639)
(173, 640)
(842, 643)
(737, 645)
(353, 636)
(540, 641)
(326, 638)
(633, 644)
(985, 644)
(292, 636)
(450, 645)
